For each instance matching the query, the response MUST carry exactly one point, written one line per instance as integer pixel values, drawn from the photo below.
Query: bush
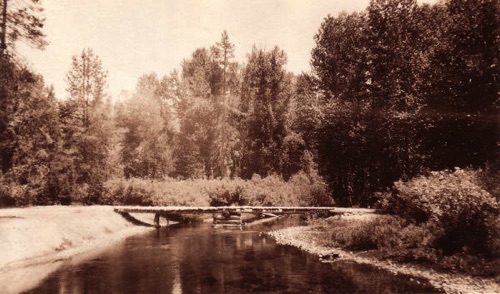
(128, 192)
(444, 218)
(387, 233)
(490, 179)
(6, 198)
(462, 215)
(301, 190)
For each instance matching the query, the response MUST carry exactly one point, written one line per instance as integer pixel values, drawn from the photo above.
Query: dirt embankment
(42, 234)
(307, 239)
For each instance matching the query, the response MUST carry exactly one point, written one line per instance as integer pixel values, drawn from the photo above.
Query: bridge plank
(248, 209)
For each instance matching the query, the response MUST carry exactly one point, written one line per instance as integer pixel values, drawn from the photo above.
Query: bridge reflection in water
(234, 215)
(200, 259)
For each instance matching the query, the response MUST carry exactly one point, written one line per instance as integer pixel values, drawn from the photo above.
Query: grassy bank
(446, 221)
(42, 234)
(317, 239)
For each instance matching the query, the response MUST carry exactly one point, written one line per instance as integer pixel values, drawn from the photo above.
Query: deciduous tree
(265, 98)
(147, 143)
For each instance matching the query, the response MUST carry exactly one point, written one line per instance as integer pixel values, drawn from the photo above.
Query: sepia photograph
(249, 146)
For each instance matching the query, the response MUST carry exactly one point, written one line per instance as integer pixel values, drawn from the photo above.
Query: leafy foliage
(454, 204)
(207, 139)
(385, 233)
(400, 86)
(29, 138)
(395, 90)
(266, 89)
(301, 190)
(147, 122)
(86, 127)
(21, 20)
(395, 238)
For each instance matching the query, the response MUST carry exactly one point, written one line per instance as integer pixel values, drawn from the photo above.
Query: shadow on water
(202, 259)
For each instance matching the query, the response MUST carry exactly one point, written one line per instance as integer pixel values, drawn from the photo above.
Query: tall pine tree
(87, 126)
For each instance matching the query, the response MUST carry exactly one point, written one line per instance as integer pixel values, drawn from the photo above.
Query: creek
(202, 259)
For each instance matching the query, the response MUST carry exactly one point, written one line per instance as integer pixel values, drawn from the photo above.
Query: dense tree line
(394, 91)
(405, 89)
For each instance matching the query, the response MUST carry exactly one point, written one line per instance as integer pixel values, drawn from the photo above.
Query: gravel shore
(307, 239)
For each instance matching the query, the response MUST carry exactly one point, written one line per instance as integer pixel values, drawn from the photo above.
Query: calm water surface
(202, 259)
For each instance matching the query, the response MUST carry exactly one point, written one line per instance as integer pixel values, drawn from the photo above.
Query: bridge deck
(240, 209)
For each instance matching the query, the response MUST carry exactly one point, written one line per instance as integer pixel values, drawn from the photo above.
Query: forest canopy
(394, 92)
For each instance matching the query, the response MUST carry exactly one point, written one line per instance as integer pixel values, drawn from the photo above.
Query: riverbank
(311, 239)
(37, 235)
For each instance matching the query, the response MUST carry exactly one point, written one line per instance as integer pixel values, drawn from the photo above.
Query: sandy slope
(42, 234)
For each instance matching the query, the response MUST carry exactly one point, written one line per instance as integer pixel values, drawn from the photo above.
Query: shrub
(128, 192)
(490, 178)
(387, 233)
(452, 204)
(301, 190)
(6, 197)
(139, 192)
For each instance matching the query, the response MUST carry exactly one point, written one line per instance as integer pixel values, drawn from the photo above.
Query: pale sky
(143, 36)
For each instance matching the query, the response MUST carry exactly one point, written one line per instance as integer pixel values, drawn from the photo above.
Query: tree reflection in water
(202, 259)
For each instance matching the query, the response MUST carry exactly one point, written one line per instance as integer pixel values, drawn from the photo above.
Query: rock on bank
(40, 234)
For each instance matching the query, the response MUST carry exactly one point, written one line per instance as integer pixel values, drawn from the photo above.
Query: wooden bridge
(233, 215)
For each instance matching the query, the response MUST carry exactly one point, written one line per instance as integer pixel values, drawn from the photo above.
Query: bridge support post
(157, 220)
